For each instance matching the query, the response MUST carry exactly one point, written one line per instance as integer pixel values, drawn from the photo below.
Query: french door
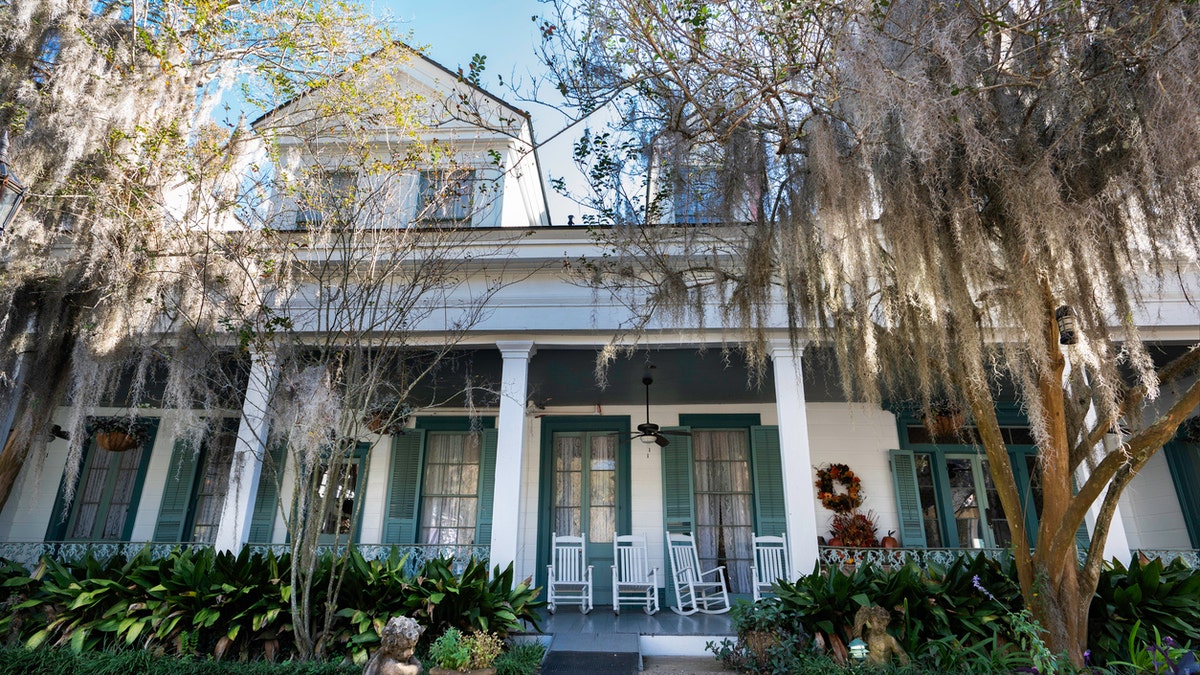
(584, 500)
(978, 517)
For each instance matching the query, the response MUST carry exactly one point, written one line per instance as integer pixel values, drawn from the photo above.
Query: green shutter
(1183, 460)
(487, 488)
(770, 511)
(678, 503)
(177, 493)
(262, 521)
(404, 488)
(908, 499)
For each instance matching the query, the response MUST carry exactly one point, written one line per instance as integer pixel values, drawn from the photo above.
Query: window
(446, 196)
(724, 483)
(440, 483)
(196, 483)
(724, 503)
(107, 492)
(327, 194)
(945, 495)
(450, 491)
(697, 196)
(337, 495)
(211, 486)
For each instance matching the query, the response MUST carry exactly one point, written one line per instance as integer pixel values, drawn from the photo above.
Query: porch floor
(603, 643)
(568, 622)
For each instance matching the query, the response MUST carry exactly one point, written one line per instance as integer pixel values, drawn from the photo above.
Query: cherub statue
(396, 645)
(870, 623)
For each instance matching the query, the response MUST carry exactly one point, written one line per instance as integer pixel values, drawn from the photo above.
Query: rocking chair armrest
(716, 569)
(588, 575)
(653, 576)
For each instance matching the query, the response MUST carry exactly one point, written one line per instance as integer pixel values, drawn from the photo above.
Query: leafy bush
(205, 603)
(521, 659)
(1132, 603)
(65, 662)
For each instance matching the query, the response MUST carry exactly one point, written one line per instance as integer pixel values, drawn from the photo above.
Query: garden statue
(396, 645)
(871, 623)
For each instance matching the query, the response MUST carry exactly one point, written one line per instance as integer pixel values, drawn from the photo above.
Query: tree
(921, 186)
(160, 250)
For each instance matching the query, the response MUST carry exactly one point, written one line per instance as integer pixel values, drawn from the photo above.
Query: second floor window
(697, 197)
(329, 194)
(446, 196)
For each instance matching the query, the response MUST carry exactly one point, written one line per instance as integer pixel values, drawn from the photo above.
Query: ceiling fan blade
(661, 440)
(673, 432)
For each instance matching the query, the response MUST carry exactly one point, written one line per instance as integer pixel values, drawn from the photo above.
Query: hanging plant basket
(945, 420)
(116, 441)
(120, 434)
(387, 419)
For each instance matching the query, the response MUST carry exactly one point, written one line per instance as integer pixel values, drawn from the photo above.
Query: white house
(557, 452)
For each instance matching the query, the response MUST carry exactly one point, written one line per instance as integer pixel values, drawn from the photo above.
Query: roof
(425, 59)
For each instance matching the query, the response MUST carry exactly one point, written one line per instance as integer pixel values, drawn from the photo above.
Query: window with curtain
(105, 493)
(211, 488)
(585, 485)
(724, 503)
(450, 491)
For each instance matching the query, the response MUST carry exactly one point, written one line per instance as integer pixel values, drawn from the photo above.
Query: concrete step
(593, 654)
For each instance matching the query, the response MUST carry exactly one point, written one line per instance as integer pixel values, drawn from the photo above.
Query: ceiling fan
(649, 431)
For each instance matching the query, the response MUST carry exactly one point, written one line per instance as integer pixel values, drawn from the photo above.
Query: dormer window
(331, 195)
(446, 196)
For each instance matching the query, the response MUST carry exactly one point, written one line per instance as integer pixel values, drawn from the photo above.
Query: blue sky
(503, 31)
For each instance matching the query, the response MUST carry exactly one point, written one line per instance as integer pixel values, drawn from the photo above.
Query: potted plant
(944, 419)
(855, 530)
(473, 653)
(118, 434)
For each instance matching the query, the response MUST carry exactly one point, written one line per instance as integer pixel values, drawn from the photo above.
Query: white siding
(1151, 511)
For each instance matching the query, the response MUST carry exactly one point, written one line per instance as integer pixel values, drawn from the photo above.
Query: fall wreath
(839, 502)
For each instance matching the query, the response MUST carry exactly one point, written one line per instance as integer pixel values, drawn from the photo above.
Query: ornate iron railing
(897, 557)
(842, 556)
(30, 552)
(1189, 556)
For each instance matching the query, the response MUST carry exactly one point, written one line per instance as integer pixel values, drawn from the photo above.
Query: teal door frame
(552, 424)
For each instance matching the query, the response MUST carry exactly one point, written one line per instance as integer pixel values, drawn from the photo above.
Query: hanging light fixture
(12, 191)
(1066, 325)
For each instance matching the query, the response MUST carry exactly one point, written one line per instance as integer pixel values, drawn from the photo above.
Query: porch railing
(28, 553)
(897, 557)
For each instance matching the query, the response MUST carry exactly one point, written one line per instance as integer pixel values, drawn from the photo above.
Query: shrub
(521, 659)
(197, 602)
(1133, 603)
(65, 662)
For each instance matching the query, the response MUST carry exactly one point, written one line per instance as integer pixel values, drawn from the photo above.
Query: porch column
(246, 468)
(799, 495)
(1116, 545)
(510, 450)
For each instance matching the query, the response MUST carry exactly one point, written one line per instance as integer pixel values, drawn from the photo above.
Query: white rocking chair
(570, 578)
(633, 580)
(693, 593)
(770, 564)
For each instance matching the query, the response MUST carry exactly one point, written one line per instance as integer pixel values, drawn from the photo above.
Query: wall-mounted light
(1066, 325)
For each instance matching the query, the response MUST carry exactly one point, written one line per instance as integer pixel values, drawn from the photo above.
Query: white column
(510, 451)
(1116, 545)
(799, 495)
(246, 469)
